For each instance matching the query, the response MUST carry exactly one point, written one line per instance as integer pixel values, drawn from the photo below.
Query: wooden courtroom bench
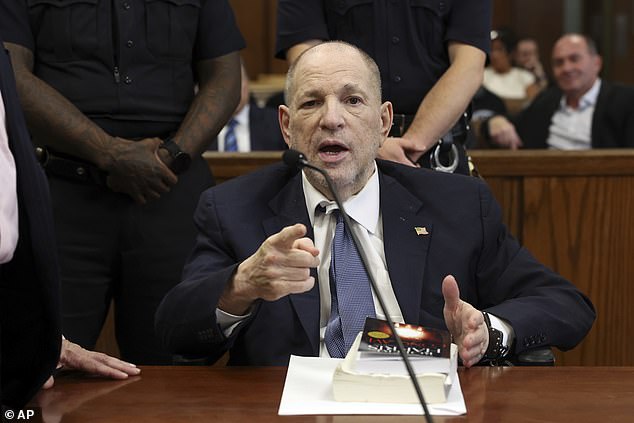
(573, 210)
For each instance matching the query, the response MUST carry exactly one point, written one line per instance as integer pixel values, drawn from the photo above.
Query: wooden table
(241, 394)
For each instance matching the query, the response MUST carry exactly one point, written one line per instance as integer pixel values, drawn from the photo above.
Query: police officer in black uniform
(108, 91)
(431, 54)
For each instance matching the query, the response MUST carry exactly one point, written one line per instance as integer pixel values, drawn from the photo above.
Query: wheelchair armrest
(184, 360)
(536, 357)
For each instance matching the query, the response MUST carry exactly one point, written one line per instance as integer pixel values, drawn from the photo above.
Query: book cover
(377, 339)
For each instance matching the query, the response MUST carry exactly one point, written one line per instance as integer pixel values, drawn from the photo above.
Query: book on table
(373, 370)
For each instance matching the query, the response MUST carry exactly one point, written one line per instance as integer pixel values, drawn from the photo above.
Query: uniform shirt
(571, 129)
(8, 193)
(126, 61)
(407, 38)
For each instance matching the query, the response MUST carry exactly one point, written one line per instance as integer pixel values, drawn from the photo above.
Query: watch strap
(171, 147)
(496, 349)
(180, 159)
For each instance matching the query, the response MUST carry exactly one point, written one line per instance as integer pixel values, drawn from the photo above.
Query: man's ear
(387, 114)
(283, 117)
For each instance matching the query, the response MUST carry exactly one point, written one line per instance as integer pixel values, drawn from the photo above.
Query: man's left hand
(465, 323)
(74, 357)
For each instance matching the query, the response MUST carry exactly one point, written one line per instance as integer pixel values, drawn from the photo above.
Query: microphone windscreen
(292, 158)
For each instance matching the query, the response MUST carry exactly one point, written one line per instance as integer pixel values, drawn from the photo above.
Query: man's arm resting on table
(74, 357)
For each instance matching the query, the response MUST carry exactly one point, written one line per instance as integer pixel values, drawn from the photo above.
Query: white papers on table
(308, 391)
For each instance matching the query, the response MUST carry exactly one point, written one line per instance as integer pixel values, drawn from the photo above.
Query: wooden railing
(573, 210)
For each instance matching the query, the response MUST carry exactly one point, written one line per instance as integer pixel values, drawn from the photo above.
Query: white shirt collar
(589, 99)
(362, 207)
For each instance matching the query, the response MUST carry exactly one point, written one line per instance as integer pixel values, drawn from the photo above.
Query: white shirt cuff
(508, 334)
(228, 322)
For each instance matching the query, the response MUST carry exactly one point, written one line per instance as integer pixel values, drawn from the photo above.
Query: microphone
(294, 158)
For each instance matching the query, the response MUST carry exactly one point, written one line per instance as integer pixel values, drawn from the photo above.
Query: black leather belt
(69, 167)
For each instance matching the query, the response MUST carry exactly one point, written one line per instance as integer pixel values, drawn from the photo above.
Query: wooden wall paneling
(275, 65)
(622, 57)
(502, 13)
(541, 20)
(508, 192)
(257, 22)
(253, 21)
(583, 228)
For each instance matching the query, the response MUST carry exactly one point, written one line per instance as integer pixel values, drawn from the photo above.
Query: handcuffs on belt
(442, 147)
(445, 146)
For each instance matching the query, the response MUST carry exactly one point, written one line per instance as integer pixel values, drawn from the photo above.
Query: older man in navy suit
(31, 344)
(259, 282)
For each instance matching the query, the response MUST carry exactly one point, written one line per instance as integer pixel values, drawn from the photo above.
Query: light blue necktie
(350, 292)
(231, 142)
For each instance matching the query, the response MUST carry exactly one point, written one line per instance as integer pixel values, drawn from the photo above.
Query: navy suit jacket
(264, 130)
(612, 121)
(466, 239)
(30, 327)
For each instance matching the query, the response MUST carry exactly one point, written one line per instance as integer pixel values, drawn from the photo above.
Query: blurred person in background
(581, 111)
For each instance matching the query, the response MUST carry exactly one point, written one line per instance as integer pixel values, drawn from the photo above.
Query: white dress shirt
(8, 194)
(570, 128)
(242, 131)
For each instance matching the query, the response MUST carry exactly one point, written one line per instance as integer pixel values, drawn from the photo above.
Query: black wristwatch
(180, 159)
(495, 349)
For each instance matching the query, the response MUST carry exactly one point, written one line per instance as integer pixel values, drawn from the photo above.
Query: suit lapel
(289, 208)
(406, 235)
(597, 117)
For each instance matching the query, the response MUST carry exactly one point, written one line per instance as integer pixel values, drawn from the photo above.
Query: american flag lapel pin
(421, 230)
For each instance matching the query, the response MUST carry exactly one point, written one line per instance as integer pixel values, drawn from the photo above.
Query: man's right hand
(137, 170)
(503, 134)
(281, 266)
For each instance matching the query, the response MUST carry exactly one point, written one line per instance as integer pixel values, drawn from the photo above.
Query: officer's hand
(138, 171)
(399, 150)
(281, 266)
(465, 323)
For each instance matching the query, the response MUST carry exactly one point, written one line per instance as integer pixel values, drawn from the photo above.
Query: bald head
(578, 39)
(321, 54)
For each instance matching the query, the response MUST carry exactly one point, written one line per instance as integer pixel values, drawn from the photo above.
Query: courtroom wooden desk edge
(238, 394)
(489, 162)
